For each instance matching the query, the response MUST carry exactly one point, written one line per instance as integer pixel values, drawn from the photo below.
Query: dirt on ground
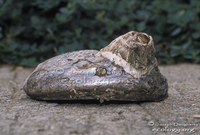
(179, 113)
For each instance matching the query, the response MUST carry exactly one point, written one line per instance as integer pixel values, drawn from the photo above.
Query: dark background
(33, 31)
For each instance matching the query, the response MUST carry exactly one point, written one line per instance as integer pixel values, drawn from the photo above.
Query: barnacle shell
(124, 70)
(133, 51)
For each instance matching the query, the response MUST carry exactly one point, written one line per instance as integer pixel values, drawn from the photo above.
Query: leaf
(78, 32)
(35, 19)
(195, 35)
(109, 30)
(64, 10)
(100, 15)
(188, 56)
(60, 17)
(61, 49)
(1, 35)
(28, 62)
(92, 45)
(24, 62)
(13, 46)
(32, 61)
(25, 47)
(175, 51)
(175, 47)
(176, 32)
(141, 26)
(157, 38)
(186, 45)
(186, 17)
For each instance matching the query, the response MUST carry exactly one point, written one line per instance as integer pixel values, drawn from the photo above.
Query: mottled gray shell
(86, 74)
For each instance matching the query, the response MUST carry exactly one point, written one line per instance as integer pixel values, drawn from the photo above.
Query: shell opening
(141, 37)
(134, 51)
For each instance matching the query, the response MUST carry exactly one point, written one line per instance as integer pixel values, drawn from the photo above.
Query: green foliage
(32, 31)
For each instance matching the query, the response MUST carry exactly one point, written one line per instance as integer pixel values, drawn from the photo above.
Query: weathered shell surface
(133, 51)
(92, 74)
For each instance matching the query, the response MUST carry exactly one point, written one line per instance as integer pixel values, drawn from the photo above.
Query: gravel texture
(20, 115)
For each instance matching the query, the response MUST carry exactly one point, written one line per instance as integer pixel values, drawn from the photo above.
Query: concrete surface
(20, 115)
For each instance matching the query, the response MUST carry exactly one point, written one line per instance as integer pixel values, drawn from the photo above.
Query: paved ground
(20, 115)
